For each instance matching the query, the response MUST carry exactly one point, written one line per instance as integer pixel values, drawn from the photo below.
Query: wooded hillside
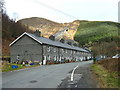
(100, 36)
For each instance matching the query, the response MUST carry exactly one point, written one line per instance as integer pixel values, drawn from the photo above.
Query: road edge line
(73, 72)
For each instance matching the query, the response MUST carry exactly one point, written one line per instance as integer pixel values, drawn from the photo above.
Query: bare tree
(2, 8)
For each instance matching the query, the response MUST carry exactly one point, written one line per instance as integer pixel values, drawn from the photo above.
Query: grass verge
(105, 78)
(8, 67)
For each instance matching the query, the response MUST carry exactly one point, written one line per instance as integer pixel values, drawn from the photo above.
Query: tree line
(10, 29)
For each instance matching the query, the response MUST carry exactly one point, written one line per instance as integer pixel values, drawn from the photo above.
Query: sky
(64, 10)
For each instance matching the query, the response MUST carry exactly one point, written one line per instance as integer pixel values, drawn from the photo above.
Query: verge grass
(8, 67)
(105, 78)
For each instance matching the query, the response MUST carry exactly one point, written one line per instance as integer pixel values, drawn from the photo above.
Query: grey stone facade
(29, 47)
(26, 49)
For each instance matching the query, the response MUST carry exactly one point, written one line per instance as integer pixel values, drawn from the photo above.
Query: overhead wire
(57, 10)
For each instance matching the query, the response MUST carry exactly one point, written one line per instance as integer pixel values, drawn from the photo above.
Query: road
(50, 76)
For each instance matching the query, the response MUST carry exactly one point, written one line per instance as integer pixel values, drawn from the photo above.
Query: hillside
(96, 31)
(49, 28)
(99, 35)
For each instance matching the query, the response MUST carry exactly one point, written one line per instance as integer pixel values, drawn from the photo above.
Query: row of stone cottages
(33, 47)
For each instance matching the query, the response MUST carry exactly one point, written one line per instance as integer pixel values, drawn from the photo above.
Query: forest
(99, 36)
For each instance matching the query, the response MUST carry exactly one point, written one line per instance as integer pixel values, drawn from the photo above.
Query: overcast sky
(64, 10)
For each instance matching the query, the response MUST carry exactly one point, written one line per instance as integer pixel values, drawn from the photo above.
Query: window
(44, 46)
(62, 50)
(74, 52)
(48, 57)
(66, 50)
(55, 58)
(18, 57)
(82, 53)
(48, 49)
(55, 49)
(77, 52)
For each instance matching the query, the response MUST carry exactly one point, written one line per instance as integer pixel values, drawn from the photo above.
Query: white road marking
(73, 72)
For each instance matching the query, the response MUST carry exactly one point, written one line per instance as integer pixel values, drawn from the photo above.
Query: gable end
(22, 36)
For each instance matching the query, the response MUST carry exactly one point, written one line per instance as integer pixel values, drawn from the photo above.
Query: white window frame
(48, 57)
(55, 49)
(55, 58)
(62, 50)
(66, 51)
(74, 52)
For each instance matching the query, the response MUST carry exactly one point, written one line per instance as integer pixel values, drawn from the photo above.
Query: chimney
(62, 40)
(37, 33)
(70, 43)
(52, 37)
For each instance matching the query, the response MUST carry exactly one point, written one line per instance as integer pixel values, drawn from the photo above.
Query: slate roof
(43, 40)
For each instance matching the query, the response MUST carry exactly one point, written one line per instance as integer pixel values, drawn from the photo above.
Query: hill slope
(49, 28)
(96, 31)
(94, 34)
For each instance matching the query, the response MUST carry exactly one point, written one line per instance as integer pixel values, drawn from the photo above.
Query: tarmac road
(50, 76)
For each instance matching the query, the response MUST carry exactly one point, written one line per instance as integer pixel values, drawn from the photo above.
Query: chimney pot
(37, 32)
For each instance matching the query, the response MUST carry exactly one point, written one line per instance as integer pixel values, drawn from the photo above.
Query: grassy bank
(6, 67)
(106, 79)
